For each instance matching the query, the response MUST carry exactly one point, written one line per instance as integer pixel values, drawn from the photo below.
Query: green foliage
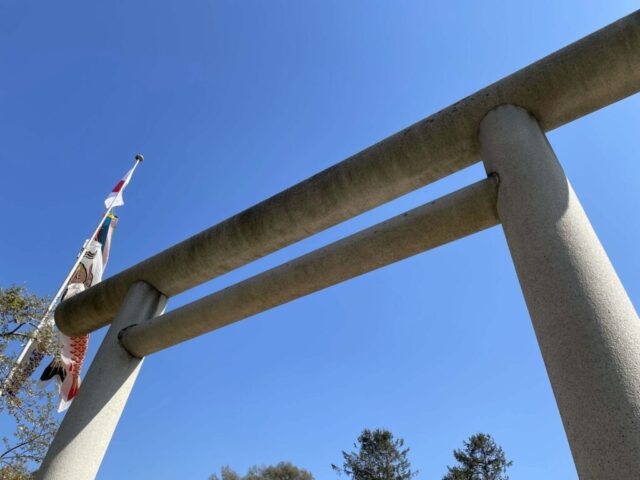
(20, 313)
(378, 456)
(226, 473)
(480, 459)
(31, 408)
(8, 472)
(281, 471)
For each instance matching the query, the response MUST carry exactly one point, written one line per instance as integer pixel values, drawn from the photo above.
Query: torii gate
(586, 326)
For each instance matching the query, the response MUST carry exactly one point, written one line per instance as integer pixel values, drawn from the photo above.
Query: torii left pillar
(86, 430)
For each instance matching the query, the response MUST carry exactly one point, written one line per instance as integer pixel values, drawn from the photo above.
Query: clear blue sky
(231, 102)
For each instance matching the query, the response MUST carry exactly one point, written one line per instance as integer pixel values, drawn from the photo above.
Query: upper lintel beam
(589, 74)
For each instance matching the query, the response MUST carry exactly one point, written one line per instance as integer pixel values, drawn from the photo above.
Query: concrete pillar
(86, 430)
(587, 328)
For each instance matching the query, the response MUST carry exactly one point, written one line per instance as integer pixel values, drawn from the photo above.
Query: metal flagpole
(48, 313)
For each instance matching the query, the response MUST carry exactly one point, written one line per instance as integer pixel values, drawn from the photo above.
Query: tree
(378, 457)
(481, 459)
(31, 408)
(226, 473)
(281, 471)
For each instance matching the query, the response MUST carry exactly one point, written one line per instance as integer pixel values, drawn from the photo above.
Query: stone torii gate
(586, 326)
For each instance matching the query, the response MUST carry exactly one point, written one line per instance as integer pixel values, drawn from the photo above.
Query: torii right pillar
(586, 326)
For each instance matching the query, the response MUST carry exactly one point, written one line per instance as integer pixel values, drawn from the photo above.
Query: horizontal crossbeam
(442, 221)
(589, 74)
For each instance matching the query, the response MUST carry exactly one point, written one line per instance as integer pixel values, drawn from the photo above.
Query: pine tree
(481, 459)
(378, 457)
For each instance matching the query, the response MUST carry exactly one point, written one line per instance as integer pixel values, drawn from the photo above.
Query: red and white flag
(115, 198)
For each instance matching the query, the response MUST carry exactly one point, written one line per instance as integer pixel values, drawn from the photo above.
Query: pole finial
(139, 157)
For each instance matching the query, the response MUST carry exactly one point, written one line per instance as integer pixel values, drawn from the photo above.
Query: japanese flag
(115, 197)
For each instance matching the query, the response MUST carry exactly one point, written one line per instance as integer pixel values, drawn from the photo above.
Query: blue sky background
(231, 102)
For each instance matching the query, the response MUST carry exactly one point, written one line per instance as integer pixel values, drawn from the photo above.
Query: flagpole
(47, 315)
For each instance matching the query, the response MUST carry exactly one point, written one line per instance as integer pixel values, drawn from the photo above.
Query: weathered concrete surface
(592, 73)
(86, 430)
(587, 328)
(451, 217)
